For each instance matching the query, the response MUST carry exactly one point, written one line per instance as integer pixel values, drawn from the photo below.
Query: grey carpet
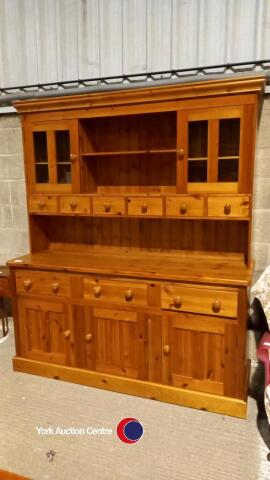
(179, 443)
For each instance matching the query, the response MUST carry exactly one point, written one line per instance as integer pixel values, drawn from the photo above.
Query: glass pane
(229, 135)
(42, 173)
(63, 173)
(40, 147)
(197, 139)
(228, 170)
(41, 157)
(197, 171)
(62, 146)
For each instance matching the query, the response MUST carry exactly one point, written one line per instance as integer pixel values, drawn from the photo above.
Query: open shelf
(151, 172)
(148, 131)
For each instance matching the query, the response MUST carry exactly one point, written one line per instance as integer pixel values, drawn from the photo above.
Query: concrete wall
(13, 217)
(261, 199)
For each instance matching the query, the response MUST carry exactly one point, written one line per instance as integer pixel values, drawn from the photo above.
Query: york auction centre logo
(129, 430)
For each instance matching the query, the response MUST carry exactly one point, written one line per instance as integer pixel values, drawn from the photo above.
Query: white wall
(53, 40)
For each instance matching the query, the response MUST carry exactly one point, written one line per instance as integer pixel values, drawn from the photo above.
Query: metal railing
(9, 94)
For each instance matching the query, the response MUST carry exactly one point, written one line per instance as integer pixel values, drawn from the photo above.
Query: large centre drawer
(42, 283)
(199, 300)
(118, 292)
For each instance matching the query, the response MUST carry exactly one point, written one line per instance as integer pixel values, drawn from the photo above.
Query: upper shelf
(129, 152)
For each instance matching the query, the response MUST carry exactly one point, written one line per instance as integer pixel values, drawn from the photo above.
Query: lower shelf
(164, 393)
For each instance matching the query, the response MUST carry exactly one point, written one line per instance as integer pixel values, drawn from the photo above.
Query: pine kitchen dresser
(140, 210)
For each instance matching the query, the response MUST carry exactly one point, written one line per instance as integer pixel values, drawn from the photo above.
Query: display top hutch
(139, 207)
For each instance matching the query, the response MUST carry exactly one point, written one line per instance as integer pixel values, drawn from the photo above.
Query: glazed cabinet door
(199, 353)
(52, 153)
(44, 327)
(120, 341)
(215, 149)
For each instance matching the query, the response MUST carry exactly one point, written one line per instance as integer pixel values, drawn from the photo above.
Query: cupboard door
(45, 329)
(52, 150)
(199, 353)
(121, 343)
(212, 152)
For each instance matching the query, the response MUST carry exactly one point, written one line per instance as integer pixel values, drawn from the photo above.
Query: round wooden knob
(88, 337)
(129, 295)
(181, 153)
(97, 291)
(41, 204)
(216, 306)
(166, 349)
(72, 157)
(27, 284)
(183, 209)
(227, 209)
(73, 205)
(144, 208)
(55, 287)
(177, 302)
(107, 207)
(67, 334)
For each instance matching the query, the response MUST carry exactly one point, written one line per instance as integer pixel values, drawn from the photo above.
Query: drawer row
(177, 297)
(172, 206)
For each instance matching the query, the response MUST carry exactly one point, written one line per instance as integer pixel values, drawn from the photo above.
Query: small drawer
(145, 206)
(185, 206)
(42, 283)
(117, 292)
(43, 203)
(74, 204)
(108, 206)
(237, 206)
(199, 300)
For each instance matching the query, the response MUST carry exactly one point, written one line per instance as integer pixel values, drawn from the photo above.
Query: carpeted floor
(178, 443)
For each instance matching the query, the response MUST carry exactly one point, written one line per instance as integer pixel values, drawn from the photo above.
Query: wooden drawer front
(43, 203)
(199, 300)
(42, 283)
(228, 206)
(185, 206)
(108, 206)
(122, 293)
(145, 206)
(74, 204)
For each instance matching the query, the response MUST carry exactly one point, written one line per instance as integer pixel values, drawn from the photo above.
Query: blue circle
(133, 430)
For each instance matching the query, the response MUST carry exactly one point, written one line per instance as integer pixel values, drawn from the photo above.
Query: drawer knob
(181, 153)
(55, 287)
(72, 157)
(177, 302)
(129, 295)
(41, 204)
(166, 349)
(97, 291)
(88, 337)
(144, 208)
(107, 207)
(67, 334)
(227, 209)
(27, 284)
(183, 209)
(216, 306)
(73, 205)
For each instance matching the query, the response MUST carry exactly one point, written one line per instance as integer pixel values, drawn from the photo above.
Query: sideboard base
(203, 401)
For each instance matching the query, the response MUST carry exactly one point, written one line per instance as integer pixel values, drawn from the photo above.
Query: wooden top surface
(4, 271)
(188, 266)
